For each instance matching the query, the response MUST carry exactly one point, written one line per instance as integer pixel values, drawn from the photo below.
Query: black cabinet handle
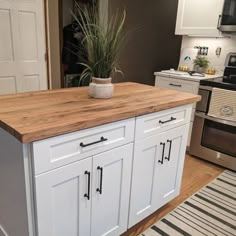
(171, 119)
(219, 22)
(168, 158)
(99, 168)
(87, 195)
(102, 139)
(163, 153)
(175, 85)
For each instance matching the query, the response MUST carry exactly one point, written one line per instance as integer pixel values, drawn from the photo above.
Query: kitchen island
(73, 165)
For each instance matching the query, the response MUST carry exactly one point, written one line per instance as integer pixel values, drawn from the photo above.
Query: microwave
(227, 20)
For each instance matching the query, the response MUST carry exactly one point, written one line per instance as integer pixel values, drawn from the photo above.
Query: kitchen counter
(39, 115)
(188, 77)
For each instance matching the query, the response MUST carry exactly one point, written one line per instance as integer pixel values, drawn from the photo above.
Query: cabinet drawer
(158, 122)
(178, 84)
(61, 150)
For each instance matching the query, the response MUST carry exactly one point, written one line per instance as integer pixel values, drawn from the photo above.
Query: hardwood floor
(197, 173)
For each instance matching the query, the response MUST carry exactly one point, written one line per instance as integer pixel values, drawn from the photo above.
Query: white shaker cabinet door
(61, 204)
(146, 154)
(199, 17)
(169, 170)
(111, 191)
(157, 172)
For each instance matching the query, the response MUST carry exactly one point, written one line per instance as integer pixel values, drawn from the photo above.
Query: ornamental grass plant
(102, 43)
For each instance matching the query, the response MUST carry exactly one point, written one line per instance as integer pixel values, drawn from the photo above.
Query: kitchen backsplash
(217, 62)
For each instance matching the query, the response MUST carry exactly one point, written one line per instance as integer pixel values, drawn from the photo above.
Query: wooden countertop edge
(44, 134)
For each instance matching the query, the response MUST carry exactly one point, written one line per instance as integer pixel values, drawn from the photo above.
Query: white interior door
(22, 46)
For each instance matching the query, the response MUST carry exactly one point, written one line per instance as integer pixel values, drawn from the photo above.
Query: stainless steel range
(214, 128)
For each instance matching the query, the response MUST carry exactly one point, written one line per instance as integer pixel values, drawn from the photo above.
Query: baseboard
(2, 231)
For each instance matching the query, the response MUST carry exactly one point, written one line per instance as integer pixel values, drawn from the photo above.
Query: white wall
(217, 62)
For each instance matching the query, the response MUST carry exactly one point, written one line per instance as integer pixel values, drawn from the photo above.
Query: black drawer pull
(101, 176)
(163, 153)
(168, 158)
(102, 139)
(175, 85)
(171, 119)
(87, 195)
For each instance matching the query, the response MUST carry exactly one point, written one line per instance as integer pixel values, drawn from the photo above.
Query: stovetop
(219, 83)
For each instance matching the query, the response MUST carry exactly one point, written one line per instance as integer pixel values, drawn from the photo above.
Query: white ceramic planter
(101, 88)
(200, 69)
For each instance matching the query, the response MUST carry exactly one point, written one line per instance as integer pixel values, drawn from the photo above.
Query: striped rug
(211, 211)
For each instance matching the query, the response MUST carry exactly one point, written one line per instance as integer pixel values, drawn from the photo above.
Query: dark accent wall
(152, 45)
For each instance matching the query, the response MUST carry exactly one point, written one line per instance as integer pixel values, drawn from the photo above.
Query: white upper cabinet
(199, 17)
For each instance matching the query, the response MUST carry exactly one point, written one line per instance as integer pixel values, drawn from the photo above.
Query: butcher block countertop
(38, 115)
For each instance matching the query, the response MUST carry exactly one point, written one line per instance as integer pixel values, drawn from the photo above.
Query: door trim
(47, 43)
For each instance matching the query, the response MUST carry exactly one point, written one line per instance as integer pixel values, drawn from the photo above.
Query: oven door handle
(205, 87)
(226, 122)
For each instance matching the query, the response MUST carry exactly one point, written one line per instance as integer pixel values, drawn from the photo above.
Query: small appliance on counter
(214, 127)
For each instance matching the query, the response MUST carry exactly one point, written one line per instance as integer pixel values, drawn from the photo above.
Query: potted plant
(201, 63)
(102, 44)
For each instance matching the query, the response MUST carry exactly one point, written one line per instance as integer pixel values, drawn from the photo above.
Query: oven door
(214, 140)
(228, 17)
